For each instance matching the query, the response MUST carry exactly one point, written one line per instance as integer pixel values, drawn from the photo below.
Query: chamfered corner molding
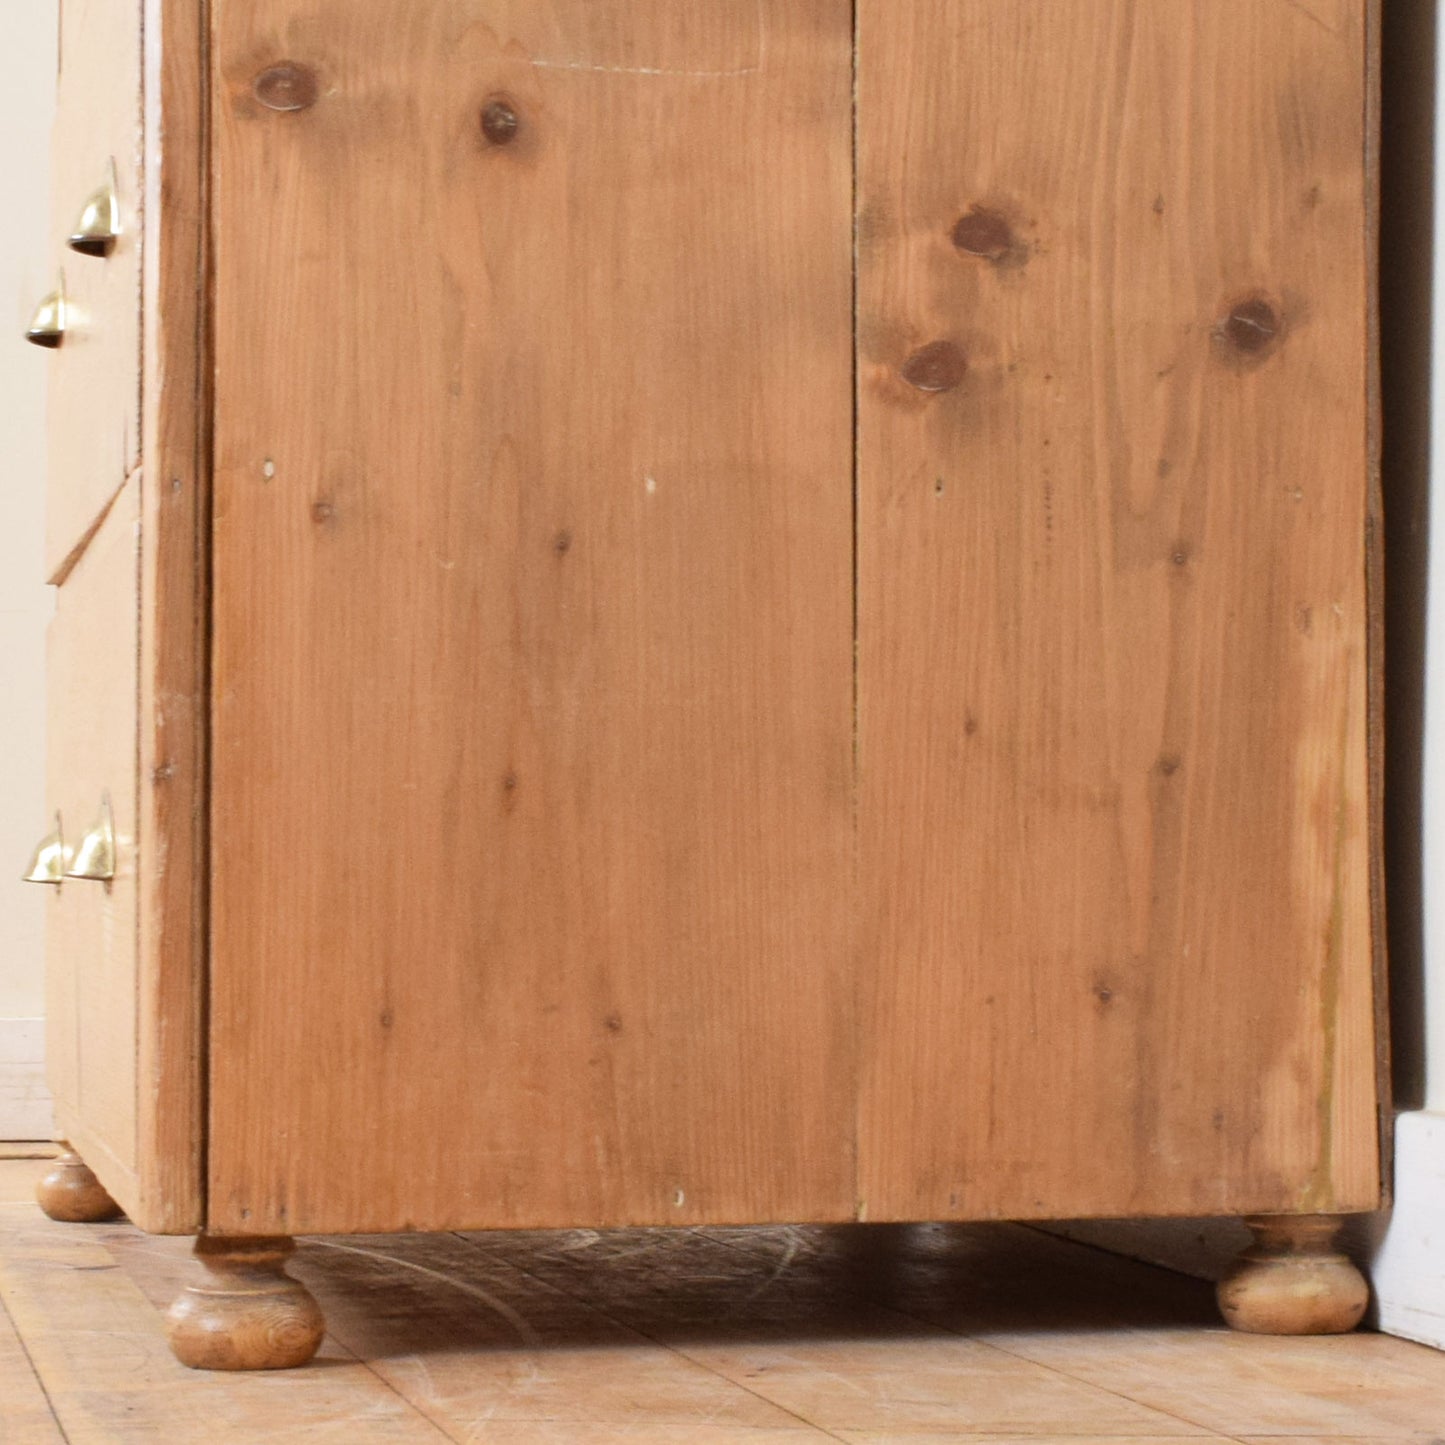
(50, 858)
(95, 854)
(98, 225)
(47, 325)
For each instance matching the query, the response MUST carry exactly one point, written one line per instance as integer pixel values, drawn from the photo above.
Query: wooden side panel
(91, 1001)
(173, 624)
(95, 378)
(1114, 289)
(532, 665)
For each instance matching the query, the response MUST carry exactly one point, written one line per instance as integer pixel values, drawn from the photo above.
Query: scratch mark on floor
(524, 1331)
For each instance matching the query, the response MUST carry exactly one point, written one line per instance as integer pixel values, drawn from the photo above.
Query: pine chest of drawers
(742, 613)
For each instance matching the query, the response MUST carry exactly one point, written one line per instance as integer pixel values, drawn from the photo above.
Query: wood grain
(550, 613)
(94, 396)
(532, 669)
(245, 1312)
(1114, 814)
(1294, 1280)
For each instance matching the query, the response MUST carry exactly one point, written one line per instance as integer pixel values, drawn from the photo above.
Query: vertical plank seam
(205, 473)
(855, 839)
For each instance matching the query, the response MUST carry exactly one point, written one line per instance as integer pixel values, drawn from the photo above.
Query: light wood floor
(871, 1335)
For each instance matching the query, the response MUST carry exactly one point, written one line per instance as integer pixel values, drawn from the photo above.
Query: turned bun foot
(1293, 1281)
(70, 1193)
(247, 1313)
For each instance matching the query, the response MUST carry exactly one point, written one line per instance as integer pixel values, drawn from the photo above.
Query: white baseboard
(1408, 1269)
(25, 1111)
(1402, 1250)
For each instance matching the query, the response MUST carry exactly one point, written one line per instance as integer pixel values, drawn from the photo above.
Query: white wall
(27, 102)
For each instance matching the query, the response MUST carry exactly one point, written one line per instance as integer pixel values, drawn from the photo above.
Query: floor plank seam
(34, 1370)
(1094, 1385)
(405, 1399)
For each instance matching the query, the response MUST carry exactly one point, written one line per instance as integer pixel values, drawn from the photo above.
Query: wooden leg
(1293, 1281)
(71, 1193)
(247, 1313)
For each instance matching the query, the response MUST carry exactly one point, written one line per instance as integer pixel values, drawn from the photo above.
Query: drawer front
(94, 410)
(91, 933)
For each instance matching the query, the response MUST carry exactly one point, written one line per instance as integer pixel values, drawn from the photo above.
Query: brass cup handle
(98, 226)
(47, 325)
(95, 854)
(50, 859)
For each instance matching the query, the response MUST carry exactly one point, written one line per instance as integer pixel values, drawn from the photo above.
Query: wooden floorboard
(26, 1411)
(871, 1335)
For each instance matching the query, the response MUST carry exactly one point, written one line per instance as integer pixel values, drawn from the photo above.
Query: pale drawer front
(91, 932)
(95, 371)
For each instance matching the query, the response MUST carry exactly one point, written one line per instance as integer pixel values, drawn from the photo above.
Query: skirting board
(24, 1099)
(1408, 1265)
(1403, 1251)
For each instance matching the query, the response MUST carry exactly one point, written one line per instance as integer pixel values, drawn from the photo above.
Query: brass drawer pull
(47, 325)
(50, 859)
(98, 226)
(95, 857)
